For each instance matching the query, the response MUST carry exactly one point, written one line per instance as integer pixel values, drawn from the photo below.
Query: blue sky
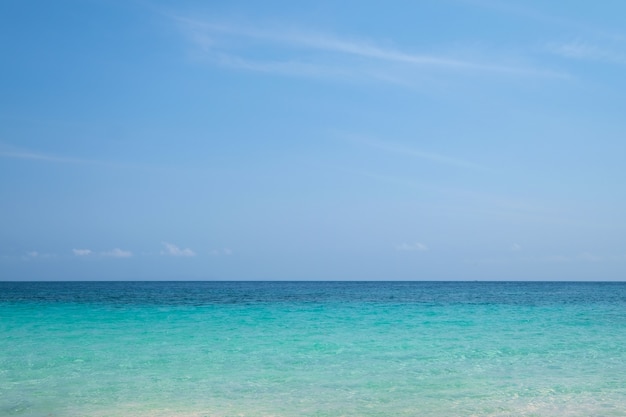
(430, 140)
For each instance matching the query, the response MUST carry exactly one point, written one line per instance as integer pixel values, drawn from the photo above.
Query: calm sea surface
(197, 349)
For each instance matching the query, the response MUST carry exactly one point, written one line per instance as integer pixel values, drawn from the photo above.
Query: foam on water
(318, 349)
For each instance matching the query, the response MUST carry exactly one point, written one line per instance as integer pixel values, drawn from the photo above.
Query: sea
(196, 349)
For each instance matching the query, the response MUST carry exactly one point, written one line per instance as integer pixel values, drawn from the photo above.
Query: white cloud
(82, 252)
(9, 151)
(220, 252)
(32, 156)
(516, 247)
(32, 255)
(575, 49)
(339, 56)
(412, 247)
(173, 250)
(118, 253)
(583, 50)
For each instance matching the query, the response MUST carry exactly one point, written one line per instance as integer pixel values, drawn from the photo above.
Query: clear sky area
(312, 140)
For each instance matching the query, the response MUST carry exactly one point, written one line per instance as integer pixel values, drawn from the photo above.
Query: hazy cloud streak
(587, 51)
(210, 38)
(35, 156)
(173, 250)
(412, 247)
(118, 253)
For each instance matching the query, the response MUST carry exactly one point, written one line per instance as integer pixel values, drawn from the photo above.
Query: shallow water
(312, 348)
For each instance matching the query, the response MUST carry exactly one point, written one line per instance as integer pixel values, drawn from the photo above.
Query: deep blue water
(222, 292)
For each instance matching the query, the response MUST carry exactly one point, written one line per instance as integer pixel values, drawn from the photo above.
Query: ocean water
(197, 349)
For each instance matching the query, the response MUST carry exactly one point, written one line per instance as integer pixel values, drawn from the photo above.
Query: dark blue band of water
(219, 292)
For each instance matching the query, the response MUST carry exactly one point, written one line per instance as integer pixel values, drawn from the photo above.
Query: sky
(312, 140)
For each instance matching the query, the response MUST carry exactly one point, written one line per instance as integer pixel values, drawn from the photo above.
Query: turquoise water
(312, 349)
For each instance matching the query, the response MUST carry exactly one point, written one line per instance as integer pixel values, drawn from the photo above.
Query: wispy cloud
(114, 253)
(173, 250)
(310, 53)
(118, 253)
(34, 156)
(412, 152)
(593, 43)
(222, 252)
(412, 247)
(33, 255)
(11, 152)
(584, 50)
